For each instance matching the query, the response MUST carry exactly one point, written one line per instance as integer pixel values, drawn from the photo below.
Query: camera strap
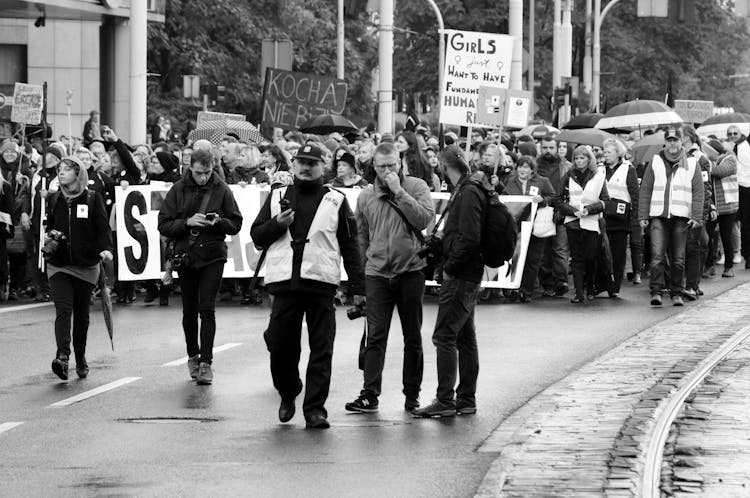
(202, 210)
(412, 228)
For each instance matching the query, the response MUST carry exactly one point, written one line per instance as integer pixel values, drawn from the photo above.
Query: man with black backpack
(463, 266)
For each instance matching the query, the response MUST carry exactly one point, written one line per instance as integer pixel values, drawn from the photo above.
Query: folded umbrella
(585, 136)
(106, 299)
(328, 123)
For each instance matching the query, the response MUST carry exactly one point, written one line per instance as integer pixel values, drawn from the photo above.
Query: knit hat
(347, 158)
(331, 144)
(9, 145)
(527, 149)
(56, 150)
(388, 137)
(168, 161)
(454, 158)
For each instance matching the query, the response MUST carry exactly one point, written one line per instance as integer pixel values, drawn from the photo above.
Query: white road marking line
(95, 392)
(217, 349)
(8, 426)
(24, 307)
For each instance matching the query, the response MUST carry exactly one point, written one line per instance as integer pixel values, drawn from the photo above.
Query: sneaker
(411, 404)
(561, 290)
(708, 272)
(689, 294)
(737, 258)
(656, 300)
(435, 409)
(637, 279)
(363, 404)
(194, 363)
(728, 273)
(60, 367)
(720, 261)
(677, 301)
(466, 409)
(205, 374)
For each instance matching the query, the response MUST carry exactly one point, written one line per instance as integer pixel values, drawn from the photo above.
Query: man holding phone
(307, 229)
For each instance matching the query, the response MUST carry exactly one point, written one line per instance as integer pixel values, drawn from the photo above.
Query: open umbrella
(538, 131)
(717, 125)
(638, 114)
(106, 299)
(647, 147)
(215, 130)
(328, 123)
(586, 120)
(585, 136)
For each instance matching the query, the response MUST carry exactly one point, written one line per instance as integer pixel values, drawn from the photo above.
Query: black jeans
(455, 333)
(618, 243)
(17, 264)
(695, 256)
(668, 241)
(71, 296)
(534, 256)
(199, 289)
(405, 293)
(3, 264)
(584, 249)
(744, 216)
(636, 248)
(283, 340)
(726, 226)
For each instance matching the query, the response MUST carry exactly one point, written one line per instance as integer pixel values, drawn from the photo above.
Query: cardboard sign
(140, 247)
(290, 99)
(204, 116)
(28, 101)
(694, 111)
(498, 107)
(472, 60)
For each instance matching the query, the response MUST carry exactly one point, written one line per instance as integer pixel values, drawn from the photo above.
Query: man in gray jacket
(394, 273)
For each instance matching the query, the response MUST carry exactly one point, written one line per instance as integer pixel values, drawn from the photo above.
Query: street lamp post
(599, 16)
(385, 60)
(441, 49)
(340, 42)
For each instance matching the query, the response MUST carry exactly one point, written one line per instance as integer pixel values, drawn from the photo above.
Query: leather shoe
(286, 410)
(317, 421)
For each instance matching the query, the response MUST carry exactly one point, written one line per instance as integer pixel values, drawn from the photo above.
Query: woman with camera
(199, 211)
(78, 237)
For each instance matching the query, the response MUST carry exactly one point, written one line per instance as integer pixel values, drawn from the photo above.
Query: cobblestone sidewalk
(579, 437)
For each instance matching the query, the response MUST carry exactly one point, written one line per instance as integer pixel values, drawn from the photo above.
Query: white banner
(472, 59)
(140, 246)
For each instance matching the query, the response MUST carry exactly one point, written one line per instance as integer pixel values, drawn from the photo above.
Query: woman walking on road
(581, 200)
(78, 237)
(198, 213)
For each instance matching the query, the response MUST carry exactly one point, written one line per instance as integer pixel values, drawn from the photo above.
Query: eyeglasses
(386, 166)
(729, 135)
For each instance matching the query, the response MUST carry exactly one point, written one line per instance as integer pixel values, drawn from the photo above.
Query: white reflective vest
(321, 256)
(617, 185)
(582, 197)
(680, 195)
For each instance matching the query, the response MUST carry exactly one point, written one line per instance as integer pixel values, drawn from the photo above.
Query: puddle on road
(168, 420)
(373, 423)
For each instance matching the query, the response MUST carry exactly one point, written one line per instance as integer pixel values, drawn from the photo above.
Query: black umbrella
(328, 123)
(586, 120)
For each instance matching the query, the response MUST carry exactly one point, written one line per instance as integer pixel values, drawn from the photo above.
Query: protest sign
(290, 99)
(140, 247)
(472, 60)
(694, 111)
(28, 101)
(204, 116)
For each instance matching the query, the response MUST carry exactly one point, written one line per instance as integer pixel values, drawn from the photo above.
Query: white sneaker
(737, 258)
(720, 261)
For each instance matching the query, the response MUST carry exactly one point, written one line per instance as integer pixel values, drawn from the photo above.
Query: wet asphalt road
(101, 446)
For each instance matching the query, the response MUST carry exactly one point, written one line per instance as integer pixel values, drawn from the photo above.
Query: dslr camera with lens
(357, 311)
(54, 239)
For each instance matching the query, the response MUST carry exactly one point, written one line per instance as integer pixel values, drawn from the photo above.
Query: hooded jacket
(462, 235)
(184, 200)
(83, 221)
(388, 245)
(20, 190)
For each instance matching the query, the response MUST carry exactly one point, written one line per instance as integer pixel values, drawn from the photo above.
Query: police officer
(307, 228)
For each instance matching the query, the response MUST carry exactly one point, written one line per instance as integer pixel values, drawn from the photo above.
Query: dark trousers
(584, 249)
(534, 256)
(618, 244)
(455, 339)
(668, 240)
(695, 256)
(17, 264)
(554, 269)
(3, 264)
(71, 296)
(199, 289)
(283, 340)
(726, 226)
(405, 292)
(636, 248)
(743, 215)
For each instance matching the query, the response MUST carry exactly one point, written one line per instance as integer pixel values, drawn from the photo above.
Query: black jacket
(305, 201)
(130, 172)
(21, 191)
(462, 235)
(184, 200)
(104, 185)
(6, 206)
(84, 223)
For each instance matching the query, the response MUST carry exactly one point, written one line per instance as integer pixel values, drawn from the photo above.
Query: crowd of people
(673, 213)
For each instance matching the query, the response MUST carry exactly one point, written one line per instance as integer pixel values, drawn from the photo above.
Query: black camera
(357, 311)
(432, 249)
(180, 260)
(284, 204)
(54, 239)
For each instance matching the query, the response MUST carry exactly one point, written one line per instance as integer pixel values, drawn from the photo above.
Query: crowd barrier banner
(140, 247)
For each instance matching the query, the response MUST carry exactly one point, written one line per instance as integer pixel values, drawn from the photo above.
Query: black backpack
(498, 232)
